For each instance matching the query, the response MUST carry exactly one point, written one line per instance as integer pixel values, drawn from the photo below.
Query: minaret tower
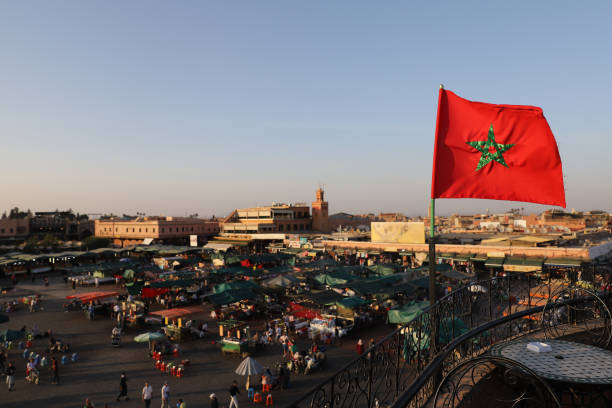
(320, 215)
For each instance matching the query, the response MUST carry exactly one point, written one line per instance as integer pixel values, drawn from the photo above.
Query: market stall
(173, 319)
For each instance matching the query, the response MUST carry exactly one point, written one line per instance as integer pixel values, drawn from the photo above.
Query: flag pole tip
(441, 86)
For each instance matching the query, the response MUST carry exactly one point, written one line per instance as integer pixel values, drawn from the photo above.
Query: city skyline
(203, 108)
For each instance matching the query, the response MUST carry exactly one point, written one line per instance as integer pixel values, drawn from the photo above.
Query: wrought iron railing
(405, 367)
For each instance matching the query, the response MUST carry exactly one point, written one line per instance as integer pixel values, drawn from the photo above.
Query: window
(295, 227)
(280, 227)
(2, 230)
(153, 229)
(11, 230)
(146, 230)
(139, 229)
(133, 229)
(126, 230)
(191, 228)
(116, 229)
(176, 229)
(163, 229)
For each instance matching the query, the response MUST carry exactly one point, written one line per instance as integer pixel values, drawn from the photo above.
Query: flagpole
(432, 232)
(432, 252)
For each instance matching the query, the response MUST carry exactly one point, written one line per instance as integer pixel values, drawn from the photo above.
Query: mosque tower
(320, 215)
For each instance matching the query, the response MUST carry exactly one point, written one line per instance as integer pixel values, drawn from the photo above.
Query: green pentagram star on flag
(491, 151)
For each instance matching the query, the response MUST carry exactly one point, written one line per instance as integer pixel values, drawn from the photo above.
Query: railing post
(490, 300)
(509, 303)
(529, 291)
(398, 362)
(418, 343)
(331, 393)
(453, 305)
(370, 400)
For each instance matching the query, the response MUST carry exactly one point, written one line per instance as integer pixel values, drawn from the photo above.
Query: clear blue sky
(204, 106)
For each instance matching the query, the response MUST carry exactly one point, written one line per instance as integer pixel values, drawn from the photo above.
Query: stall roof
(568, 262)
(352, 302)
(179, 312)
(91, 296)
(494, 262)
(231, 296)
(322, 298)
(173, 283)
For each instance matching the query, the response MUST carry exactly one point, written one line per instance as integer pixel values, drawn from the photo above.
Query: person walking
(54, 368)
(10, 376)
(2, 360)
(181, 403)
(359, 347)
(214, 402)
(122, 387)
(165, 396)
(147, 393)
(234, 391)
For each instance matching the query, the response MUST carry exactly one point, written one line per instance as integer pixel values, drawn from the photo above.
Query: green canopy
(148, 337)
(323, 297)
(375, 285)
(235, 285)
(352, 302)
(384, 269)
(11, 335)
(454, 274)
(334, 278)
(232, 259)
(406, 313)
(282, 281)
(230, 296)
(179, 283)
(134, 288)
(231, 270)
(445, 332)
(422, 283)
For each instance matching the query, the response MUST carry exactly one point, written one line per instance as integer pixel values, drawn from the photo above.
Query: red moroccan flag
(500, 152)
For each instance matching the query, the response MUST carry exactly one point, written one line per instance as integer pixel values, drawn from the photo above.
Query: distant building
(170, 230)
(14, 228)
(279, 218)
(320, 213)
(269, 219)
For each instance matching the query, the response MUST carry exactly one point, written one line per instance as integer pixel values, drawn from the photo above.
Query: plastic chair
(250, 393)
(64, 360)
(257, 398)
(265, 388)
(74, 357)
(269, 401)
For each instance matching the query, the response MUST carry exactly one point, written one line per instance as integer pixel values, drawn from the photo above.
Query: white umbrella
(249, 366)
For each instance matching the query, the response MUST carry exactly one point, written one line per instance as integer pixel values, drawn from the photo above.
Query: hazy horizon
(203, 107)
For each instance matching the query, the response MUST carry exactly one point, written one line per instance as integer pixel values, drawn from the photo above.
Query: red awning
(91, 296)
(152, 292)
(179, 312)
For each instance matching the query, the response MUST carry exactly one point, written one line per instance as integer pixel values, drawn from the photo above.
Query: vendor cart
(235, 346)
